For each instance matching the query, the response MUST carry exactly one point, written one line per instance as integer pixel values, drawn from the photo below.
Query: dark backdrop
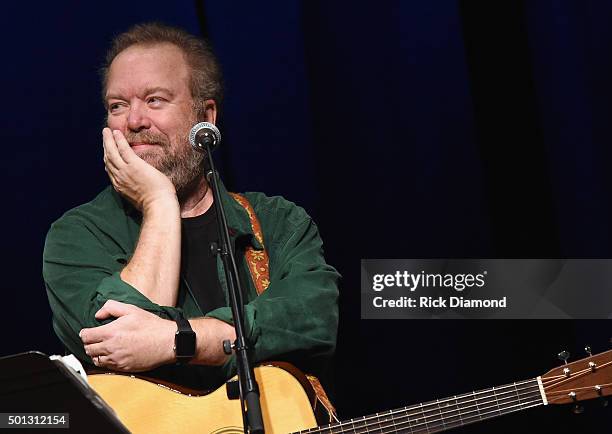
(407, 129)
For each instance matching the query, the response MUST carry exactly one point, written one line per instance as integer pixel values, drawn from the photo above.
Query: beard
(174, 156)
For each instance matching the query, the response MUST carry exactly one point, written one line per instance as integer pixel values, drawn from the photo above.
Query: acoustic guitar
(288, 403)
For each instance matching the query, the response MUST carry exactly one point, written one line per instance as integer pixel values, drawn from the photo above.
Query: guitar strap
(257, 260)
(259, 267)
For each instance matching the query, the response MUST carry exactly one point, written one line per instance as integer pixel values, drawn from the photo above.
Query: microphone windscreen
(204, 133)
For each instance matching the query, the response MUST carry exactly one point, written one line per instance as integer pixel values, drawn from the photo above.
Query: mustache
(146, 137)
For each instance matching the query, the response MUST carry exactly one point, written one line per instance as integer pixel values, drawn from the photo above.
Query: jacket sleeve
(296, 317)
(81, 273)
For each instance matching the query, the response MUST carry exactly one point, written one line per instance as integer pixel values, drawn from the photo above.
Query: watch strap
(183, 324)
(184, 340)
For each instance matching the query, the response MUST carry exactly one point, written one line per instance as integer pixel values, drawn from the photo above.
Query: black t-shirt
(198, 264)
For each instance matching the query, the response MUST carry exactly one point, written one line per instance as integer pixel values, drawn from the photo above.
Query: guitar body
(146, 407)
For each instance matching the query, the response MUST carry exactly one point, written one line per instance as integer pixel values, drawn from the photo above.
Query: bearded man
(126, 270)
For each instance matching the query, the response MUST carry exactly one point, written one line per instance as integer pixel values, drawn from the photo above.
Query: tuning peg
(563, 356)
(602, 399)
(577, 408)
(588, 350)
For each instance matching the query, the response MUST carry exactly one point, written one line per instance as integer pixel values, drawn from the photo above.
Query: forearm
(154, 269)
(151, 339)
(210, 334)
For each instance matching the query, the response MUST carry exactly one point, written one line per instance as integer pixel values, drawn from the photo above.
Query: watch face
(185, 342)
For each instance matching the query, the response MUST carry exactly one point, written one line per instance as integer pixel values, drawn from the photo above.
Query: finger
(105, 361)
(94, 335)
(113, 180)
(103, 313)
(110, 148)
(127, 153)
(110, 165)
(104, 156)
(98, 349)
(111, 154)
(112, 172)
(113, 308)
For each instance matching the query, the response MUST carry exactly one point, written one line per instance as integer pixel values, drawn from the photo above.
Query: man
(123, 270)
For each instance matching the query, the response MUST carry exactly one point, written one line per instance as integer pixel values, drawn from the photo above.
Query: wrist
(185, 341)
(161, 204)
(210, 335)
(169, 356)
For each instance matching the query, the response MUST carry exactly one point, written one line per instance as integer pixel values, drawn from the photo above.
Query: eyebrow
(147, 91)
(150, 90)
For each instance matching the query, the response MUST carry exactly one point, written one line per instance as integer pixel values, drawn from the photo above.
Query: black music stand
(32, 383)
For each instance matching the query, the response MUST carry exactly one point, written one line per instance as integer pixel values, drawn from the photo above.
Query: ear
(210, 111)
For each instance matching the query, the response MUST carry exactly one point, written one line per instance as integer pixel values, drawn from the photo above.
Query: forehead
(144, 67)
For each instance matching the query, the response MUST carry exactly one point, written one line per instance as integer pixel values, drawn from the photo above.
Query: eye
(154, 100)
(114, 107)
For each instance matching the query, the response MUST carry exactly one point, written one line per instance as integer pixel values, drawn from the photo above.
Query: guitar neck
(441, 415)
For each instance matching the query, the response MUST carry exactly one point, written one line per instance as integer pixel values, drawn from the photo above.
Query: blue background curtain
(407, 129)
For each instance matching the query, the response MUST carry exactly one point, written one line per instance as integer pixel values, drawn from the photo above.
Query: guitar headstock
(588, 378)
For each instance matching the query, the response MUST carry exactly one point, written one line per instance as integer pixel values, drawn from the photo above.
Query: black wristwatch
(184, 340)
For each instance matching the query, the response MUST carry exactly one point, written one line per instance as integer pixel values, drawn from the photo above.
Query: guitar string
(421, 408)
(434, 426)
(424, 426)
(421, 427)
(555, 378)
(561, 394)
(437, 427)
(555, 381)
(419, 411)
(560, 379)
(582, 371)
(549, 383)
(435, 423)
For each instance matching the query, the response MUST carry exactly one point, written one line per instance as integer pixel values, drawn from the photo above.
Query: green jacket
(295, 319)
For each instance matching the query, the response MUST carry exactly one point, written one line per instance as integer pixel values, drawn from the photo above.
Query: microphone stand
(249, 391)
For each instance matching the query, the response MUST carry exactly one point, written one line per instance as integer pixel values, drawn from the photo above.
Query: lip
(139, 145)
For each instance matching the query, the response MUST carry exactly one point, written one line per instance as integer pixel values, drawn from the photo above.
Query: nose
(137, 118)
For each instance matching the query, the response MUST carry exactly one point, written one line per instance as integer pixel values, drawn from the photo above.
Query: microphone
(203, 134)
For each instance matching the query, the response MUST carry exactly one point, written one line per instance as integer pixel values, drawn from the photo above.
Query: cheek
(172, 129)
(116, 122)
(160, 122)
